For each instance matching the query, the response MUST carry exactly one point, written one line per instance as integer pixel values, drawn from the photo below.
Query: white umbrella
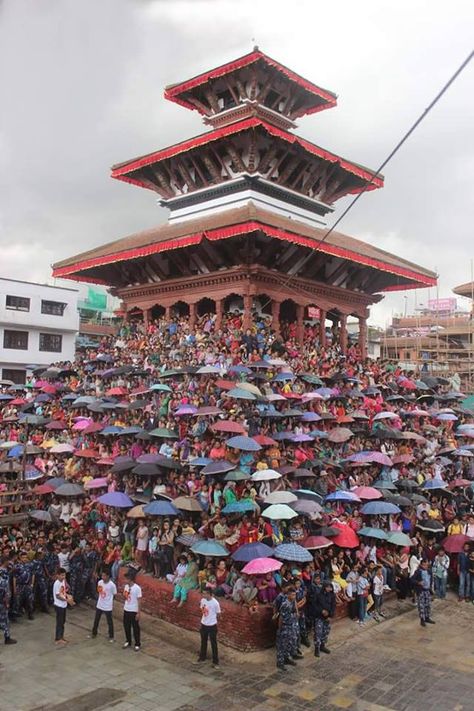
(251, 388)
(265, 475)
(280, 497)
(279, 512)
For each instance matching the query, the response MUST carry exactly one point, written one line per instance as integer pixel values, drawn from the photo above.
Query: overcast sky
(82, 88)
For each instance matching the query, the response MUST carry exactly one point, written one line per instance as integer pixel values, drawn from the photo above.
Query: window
(50, 342)
(17, 303)
(52, 308)
(16, 376)
(16, 340)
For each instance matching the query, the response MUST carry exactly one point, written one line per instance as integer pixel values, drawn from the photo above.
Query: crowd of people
(238, 464)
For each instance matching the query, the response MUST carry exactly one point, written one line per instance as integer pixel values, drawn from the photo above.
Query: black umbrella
(431, 526)
(122, 466)
(146, 470)
(327, 531)
(398, 500)
(409, 484)
(221, 467)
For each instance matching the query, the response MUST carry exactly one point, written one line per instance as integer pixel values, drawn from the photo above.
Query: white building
(38, 326)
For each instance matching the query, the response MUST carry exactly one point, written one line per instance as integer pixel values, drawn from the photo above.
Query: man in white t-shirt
(106, 591)
(210, 609)
(60, 605)
(132, 594)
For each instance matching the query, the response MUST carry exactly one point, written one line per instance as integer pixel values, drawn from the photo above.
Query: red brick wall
(238, 627)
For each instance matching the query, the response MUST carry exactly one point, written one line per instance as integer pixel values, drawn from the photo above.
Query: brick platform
(238, 628)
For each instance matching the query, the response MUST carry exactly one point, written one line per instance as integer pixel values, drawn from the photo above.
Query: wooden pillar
(192, 316)
(363, 337)
(146, 317)
(322, 328)
(343, 333)
(299, 323)
(247, 317)
(168, 313)
(276, 316)
(219, 310)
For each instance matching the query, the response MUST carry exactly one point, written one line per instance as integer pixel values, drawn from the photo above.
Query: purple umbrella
(117, 499)
(186, 410)
(149, 458)
(311, 417)
(301, 438)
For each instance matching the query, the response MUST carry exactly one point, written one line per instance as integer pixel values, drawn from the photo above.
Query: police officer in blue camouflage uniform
(51, 564)
(89, 573)
(287, 633)
(301, 607)
(5, 599)
(325, 607)
(41, 580)
(76, 570)
(23, 582)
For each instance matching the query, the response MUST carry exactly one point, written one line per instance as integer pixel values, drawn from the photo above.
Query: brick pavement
(391, 666)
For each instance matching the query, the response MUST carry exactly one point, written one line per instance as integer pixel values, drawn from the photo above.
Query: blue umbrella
(384, 508)
(117, 499)
(129, 430)
(240, 369)
(293, 552)
(16, 451)
(111, 430)
(342, 495)
(239, 507)
(56, 481)
(250, 551)
(372, 533)
(240, 394)
(160, 508)
(311, 417)
(210, 548)
(279, 436)
(318, 434)
(436, 483)
(199, 462)
(283, 376)
(220, 467)
(246, 444)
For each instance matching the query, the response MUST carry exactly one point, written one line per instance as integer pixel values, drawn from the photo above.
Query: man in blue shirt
(463, 572)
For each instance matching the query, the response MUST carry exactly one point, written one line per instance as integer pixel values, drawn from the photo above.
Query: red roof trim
(205, 138)
(245, 227)
(173, 92)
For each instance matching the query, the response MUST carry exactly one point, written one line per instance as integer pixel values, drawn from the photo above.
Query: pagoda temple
(248, 200)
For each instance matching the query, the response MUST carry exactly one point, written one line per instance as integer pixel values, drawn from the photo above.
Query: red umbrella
(228, 426)
(43, 489)
(264, 440)
(455, 543)
(367, 492)
(49, 389)
(460, 482)
(345, 420)
(225, 384)
(93, 427)
(347, 537)
(56, 425)
(116, 391)
(292, 396)
(87, 453)
(339, 435)
(313, 542)
(17, 401)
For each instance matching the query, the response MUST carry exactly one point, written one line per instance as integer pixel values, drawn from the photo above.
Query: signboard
(313, 312)
(96, 300)
(442, 304)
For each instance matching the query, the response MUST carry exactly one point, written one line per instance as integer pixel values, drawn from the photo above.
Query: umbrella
(117, 499)
(293, 552)
(185, 410)
(16, 451)
(40, 515)
(406, 484)
(56, 481)
(239, 394)
(239, 507)
(208, 410)
(264, 440)
(136, 512)
(397, 538)
(210, 370)
(346, 536)
(371, 532)
(327, 531)
(111, 430)
(342, 495)
(261, 566)
(56, 425)
(246, 444)
(250, 551)
(250, 388)
(98, 483)
(196, 462)
(265, 475)
(431, 526)
(303, 473)
(163, 432)
(236, 475)
(228, 426)
(398, 500)
(146, 470)
(43, 489)
(279, 512)
(187, 503)
(460, 482)
(160, 508)
(93, 427)
(161, 387)
(384, 484)
(210, 548)
(383, 508)
(436, 483)
(69, 490)
(315, 542)
(386, 416)
(188, 539)
(308, 494)
(368, 493)
(280, 497)
(123, 465)
(307, 507)
(339, 435)
(455, 543)
(219, 467)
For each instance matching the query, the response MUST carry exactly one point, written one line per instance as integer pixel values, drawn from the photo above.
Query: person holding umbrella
(423, 581)
(325, 607)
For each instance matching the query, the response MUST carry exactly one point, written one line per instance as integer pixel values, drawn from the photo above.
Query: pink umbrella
(378, 458)
(367, 492)
(61, 448)
(81, 425)
(185, 410)
(99, 483)
(262, 566)
(56, 425)
(92, 427)
(40, 384)
(105, 461)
